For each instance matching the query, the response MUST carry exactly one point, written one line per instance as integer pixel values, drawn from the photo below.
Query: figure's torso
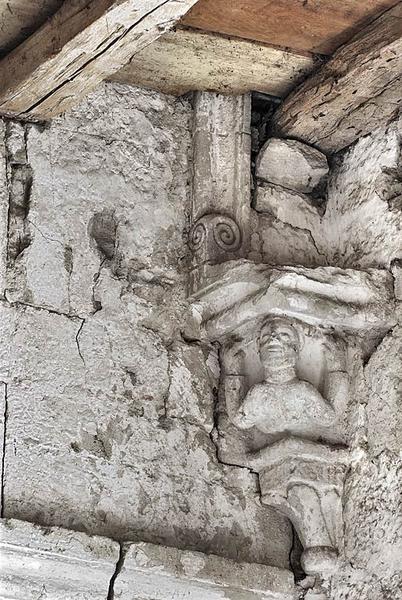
(294, 407)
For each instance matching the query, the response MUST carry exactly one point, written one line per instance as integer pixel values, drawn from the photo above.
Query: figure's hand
(233, 359)
(335, 353)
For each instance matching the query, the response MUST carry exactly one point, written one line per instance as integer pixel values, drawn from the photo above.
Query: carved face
(279, 344)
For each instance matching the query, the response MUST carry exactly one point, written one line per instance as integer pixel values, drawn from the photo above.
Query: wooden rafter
(357, 90)
(84, 42)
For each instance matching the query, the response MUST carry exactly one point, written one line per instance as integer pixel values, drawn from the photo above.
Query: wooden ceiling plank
(353, 93)
(84, 42)
(186, 60)
(309, 25)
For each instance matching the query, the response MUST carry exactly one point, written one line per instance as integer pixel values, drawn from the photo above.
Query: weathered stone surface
(363, 220)
(220, 207)
(289, 228)
(191, 389)
(396, 270)
(291, 164)
(4, 202)
(383, 376)
(373, 524)
(3, 418)
(159, 573)
(75, 181)
(110, 411)
(287, 206)
(244, 294)
(280, 243)
(54, 564)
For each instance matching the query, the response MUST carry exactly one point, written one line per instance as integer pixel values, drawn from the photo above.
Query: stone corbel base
(304, 481)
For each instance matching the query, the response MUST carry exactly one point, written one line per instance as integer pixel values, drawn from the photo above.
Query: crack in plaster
(77, 339)
(51, 311)
(3, 449)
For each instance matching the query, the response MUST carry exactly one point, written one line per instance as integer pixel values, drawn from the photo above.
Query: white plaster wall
(108, 411)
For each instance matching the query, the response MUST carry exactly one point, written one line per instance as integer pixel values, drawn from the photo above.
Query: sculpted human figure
(283, 403)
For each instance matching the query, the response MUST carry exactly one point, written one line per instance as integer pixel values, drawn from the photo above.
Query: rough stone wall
(353, 221)
(108, 411)
(365, 218)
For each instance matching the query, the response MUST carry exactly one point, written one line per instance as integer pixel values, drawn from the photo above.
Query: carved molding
(214, 239)
(305, 482)
(213, 234)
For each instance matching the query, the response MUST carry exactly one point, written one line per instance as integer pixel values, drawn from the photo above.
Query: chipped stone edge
(60, 563)
(195, 570)
(55, 562)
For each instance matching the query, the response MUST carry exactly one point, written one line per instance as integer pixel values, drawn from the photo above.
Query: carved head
(279, 344)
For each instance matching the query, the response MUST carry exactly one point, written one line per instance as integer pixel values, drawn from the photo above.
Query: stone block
(292, 165)
(396, 270)
(362, 223)
(90, 444)
(383, 378)
(287, 206)
(160, 573)
(54, 563)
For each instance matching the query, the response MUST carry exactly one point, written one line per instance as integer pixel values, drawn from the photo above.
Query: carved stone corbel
(304, 481)
(284, 394)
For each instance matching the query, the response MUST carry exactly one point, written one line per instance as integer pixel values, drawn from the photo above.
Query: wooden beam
(301, 25)
(20, 18)
(84, 42)
(356, 91)
(182, 60)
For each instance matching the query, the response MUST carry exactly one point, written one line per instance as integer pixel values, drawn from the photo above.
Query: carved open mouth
(274, 348)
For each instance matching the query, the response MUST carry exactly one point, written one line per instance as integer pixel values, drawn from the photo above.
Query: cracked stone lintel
(51, 562)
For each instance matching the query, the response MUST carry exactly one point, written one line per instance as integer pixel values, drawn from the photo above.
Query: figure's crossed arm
(248, 413)
(336, 388)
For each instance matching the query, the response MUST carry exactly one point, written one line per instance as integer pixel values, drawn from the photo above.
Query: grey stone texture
(108, 403)
(54, 563)
(109, 410)
(363, 219)
(360, 224)
(152, 572)
(291, 164)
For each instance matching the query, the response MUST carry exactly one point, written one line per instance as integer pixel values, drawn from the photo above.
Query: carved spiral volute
(215, 234)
